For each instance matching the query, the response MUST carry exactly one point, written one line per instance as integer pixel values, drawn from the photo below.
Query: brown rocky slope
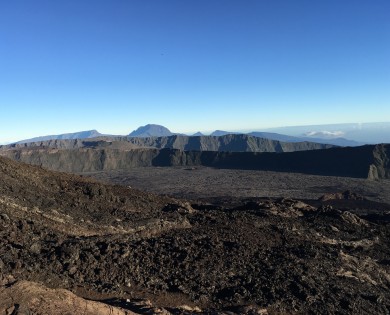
(253, 256)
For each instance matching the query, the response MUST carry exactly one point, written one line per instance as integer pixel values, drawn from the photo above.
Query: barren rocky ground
(206, 182)
(84, 246)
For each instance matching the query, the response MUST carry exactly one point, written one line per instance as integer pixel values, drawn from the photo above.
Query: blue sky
(191, 65)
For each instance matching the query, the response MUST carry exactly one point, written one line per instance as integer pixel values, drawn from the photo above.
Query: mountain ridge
(305, 133)
(230, 142)
(73, 135)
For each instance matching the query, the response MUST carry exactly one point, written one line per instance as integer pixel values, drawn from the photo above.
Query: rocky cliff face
(227, 143)
(371, 161)
(84, 159)
(380, 168)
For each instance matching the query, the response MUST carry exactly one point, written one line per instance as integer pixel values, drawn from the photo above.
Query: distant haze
(362, 132)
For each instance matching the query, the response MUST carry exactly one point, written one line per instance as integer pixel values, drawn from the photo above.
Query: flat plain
(206, 182)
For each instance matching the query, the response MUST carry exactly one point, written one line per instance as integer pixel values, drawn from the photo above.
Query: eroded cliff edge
(369, 161)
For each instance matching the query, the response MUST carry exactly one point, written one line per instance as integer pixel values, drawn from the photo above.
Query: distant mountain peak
(65, 136)
(219, 133)
(151, 130)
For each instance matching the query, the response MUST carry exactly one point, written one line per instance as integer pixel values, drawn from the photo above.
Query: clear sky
(191, 65)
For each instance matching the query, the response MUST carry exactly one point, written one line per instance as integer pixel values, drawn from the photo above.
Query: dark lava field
(206, 182)
(235, 243)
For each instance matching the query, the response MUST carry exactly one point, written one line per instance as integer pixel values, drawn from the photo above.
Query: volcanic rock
(104, 247)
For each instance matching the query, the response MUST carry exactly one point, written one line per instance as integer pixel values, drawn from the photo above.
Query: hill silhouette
(75, 135)
(151, 130)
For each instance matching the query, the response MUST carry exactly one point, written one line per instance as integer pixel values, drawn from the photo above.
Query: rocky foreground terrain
(70, 245)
